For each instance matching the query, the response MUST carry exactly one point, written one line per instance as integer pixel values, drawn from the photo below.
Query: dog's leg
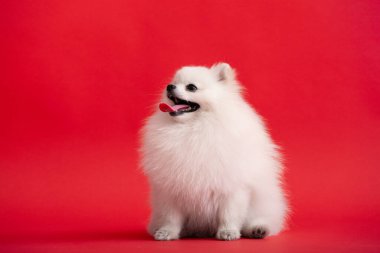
(166, 221)
(267, 211)
(231, 216)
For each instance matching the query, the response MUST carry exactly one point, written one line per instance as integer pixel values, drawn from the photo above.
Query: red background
(78, 78)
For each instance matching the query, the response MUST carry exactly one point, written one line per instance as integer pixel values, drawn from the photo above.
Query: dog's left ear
(223, 72)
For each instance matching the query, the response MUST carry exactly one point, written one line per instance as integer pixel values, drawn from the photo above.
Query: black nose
(170, 87)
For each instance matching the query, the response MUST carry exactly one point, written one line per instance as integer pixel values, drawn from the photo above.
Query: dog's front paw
(165, 235)
(228, 234)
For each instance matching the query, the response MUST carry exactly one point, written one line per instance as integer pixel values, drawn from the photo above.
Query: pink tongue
(164, 107)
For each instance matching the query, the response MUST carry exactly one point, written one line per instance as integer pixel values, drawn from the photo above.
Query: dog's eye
(191, 87)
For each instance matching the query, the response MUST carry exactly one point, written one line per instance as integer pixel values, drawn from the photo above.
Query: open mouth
(181, 106)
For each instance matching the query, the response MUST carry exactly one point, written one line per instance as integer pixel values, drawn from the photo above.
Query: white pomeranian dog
(212, 167)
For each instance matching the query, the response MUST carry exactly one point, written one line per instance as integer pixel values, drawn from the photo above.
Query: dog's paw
(228, 234)
(258, 232)
(165, 235)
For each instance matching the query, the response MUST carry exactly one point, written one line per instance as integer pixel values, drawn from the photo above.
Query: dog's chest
(198, 158)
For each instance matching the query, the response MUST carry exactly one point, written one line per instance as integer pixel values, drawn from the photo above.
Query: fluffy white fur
(215, 171)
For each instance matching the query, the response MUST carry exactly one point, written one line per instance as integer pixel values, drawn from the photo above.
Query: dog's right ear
(223, 72)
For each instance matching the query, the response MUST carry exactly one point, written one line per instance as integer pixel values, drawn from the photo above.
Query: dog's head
(194, 90)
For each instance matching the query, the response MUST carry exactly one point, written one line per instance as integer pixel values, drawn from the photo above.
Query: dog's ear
(223, 72)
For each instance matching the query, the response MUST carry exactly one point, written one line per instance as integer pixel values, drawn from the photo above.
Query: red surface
(78, 78)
